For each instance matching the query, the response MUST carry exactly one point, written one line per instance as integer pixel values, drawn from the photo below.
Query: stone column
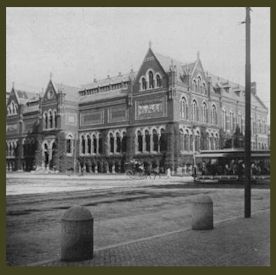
(98, 144)
(130, 150)
(106, 167)
(39, 154)
(151, 143)
(170, 146)
(144, 143)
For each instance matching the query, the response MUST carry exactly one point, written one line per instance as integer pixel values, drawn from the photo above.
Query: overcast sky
(78, 44)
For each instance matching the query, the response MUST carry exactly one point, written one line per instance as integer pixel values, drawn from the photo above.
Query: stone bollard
(77, 234)
(202, 213)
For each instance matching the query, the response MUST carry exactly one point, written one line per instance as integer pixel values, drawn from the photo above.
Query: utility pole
(247, 184)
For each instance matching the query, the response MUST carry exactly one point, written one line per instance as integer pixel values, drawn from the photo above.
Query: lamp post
(247, 185)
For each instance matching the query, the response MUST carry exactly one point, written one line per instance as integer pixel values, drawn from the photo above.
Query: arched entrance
(53, 150)
(45, 156)
(49, 155)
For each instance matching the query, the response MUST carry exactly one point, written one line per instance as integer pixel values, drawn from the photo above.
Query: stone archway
(45, 155)
(49, 154)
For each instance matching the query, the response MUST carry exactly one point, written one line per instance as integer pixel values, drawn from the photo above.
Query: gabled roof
(70, 92)
(219, 82)
(23, 96)
(166, 62)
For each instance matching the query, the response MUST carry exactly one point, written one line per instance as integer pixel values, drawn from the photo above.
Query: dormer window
(151, 80)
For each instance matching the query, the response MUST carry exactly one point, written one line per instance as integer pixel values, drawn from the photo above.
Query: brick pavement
(235, 242)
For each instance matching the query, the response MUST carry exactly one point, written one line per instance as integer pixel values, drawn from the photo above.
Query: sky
(76, 45)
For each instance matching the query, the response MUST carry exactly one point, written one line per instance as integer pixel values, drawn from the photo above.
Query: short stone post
(202, 213)
(77, 234)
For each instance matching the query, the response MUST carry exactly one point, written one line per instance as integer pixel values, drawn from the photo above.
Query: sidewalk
(234, 242)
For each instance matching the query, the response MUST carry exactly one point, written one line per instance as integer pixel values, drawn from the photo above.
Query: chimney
(94, 80)
(253, 88)
(108, 76)
(120, 74)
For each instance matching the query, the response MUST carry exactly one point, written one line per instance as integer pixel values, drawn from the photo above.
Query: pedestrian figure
(168, 172)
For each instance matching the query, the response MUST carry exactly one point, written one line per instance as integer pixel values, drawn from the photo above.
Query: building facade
(162, 115)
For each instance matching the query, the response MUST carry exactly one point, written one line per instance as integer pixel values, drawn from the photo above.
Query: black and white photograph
(137, 136)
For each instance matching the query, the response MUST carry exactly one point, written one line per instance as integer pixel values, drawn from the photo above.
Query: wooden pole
(247, 185)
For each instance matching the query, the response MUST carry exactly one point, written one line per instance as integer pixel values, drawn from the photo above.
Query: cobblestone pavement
(234, 242)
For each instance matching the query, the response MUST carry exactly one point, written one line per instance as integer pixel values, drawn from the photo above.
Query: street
(123, 210)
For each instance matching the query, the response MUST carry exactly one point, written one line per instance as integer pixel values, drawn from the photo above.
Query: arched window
(195, 111)
(158, 81)
(83, 145)
(198, 84)
(208, 141)
(69, 144)
(147, 140)
(111, 143)
(155, 140)
(181, 140)
(216, 141)
(212, 147)
(12, 107)
(10, 149)
(163, 141)
(224, 119)
(242, 124)
(100, 144)
(186, 140)
(204, 113)
(184, 108)
(204, 88)
(144, 84)
(55, 119)
(197, 141)
(118, 143)
(214, 115)
(194, 85)
(50, 119)
(140, 141)
(9, 110)
(45, 120)
(151, 80)
(95, 144)
(124, 142)
(191, 142)
(89, 144)
(231, 121)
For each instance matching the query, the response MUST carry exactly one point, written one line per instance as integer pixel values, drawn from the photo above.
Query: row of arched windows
(150, 81)
(188, 141)
(230, 122)
(199, 86)
(212, 141)
(91, 144)
(151, 140)
(184, 110)
(12, 109)
(11, 147)
(117, 142)
(50, 119)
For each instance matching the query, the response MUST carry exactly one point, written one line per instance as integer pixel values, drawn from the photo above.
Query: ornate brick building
(162, 115)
